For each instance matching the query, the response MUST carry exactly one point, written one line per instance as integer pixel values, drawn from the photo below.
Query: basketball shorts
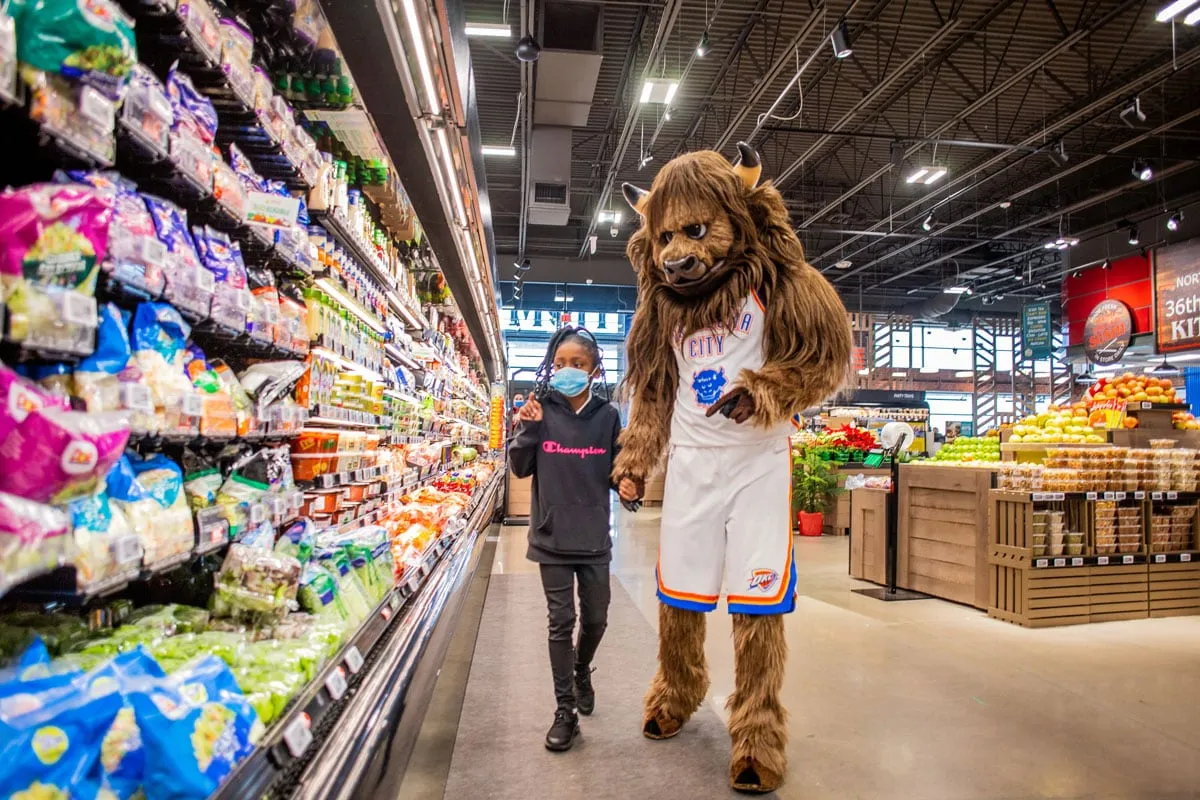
(727, 514)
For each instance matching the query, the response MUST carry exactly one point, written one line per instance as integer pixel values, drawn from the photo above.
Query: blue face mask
(570, 381)
(518, 403)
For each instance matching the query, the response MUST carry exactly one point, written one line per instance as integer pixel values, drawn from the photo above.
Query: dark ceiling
(1021, 100)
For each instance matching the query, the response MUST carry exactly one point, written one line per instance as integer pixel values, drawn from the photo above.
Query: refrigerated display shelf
(275, 769)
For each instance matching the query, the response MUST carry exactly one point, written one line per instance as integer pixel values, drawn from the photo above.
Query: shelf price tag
(136, 397)
(335, 684)
(1077, 562)
(126, 549)
(1110, 495)
(1060, 562)
(212, 526)
(1139, 495)
(1172, 495)
(297, 736)
(1185, 557)
(258, 513)
(1102, 561)
(394, 601)
(354, 659)
(1156, 495)
(1121, 495)
(191, 405)
(1160, 558)
(1126, 559)
(1093, 496)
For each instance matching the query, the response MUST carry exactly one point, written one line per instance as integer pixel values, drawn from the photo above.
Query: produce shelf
(339, 695)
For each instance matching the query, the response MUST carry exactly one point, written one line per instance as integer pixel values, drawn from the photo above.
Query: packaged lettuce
(50, 743)
(255, 581)
(122, 757)
(34, 539)
(297, 540)
(33, 673)
(195, 726)
(354, 597)
(175, 651)
(106, 543)
(171, 619)
(319, 594)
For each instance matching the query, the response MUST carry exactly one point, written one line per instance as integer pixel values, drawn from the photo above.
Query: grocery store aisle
(924, 700)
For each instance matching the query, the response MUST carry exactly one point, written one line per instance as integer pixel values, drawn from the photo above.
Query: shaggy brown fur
(808, 337)
(757, 720)
(681, 682)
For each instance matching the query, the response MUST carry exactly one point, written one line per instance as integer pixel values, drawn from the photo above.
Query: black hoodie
(570, 457)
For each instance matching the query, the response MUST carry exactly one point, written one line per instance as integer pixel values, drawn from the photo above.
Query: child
(567, 439)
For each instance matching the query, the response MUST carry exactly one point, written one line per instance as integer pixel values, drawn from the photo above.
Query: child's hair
(581, 336)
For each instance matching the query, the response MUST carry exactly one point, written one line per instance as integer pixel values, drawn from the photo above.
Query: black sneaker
(564, 731)
(585, 695)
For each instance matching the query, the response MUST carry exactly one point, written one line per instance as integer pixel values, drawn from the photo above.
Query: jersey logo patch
(708, 385)
(763, 579)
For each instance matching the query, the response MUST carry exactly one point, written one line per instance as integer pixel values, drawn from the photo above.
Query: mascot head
(698, 220)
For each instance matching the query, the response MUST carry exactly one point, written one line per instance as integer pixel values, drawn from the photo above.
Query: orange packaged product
(218, 418)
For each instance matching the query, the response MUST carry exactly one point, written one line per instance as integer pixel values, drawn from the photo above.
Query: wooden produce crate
(1046, 591)
(868, 535)
(837, 510)
(1175, 588)
(518, 497)
(943, 531)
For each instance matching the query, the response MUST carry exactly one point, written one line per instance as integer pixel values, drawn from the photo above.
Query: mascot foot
(752, 777)
(660, 725)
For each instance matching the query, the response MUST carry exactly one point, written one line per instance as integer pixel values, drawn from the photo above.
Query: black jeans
(558, 582)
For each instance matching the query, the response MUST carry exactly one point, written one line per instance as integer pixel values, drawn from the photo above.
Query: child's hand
(531, 411)
(628, 490)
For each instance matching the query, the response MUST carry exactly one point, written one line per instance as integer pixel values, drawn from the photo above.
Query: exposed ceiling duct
(564, 85)
(931, 308)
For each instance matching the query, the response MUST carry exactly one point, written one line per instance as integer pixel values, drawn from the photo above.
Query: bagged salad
(150, 493)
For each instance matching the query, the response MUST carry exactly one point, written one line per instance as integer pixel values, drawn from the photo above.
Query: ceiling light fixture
(452, 174)
(588, 281)
(610, 216)
(1134, 239)
(1076, 274)
(845, 263)
(489, 30)
(957, 290)
(656, 90)
(417, 33)
(1107, 264)
(667, 115)
(927, 175)
(646, 159)
(702, 48)
(839, 40)
(1165, 368)
(1134, 110)
(927, 225)
(1192, 18)
(1141, 170)
(1006, 204)
(1172, 10)
(1174, 221)
(506, 152)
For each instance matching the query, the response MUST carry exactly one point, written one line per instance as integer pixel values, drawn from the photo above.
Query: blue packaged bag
(122, 756)
(195, 725)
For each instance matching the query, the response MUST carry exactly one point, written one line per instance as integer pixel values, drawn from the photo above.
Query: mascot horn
(733, 336)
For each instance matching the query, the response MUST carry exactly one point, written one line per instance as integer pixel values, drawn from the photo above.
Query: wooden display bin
(1175, 588)
(943, 536)
(837, 509)
(868, 535)
(518, 497)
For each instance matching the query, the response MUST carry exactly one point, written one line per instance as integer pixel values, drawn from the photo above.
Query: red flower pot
(810, 524)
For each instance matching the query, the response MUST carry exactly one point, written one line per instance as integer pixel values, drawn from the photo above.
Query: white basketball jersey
(709, 363)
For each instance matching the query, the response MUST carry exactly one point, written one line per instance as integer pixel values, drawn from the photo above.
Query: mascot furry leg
(734, 334)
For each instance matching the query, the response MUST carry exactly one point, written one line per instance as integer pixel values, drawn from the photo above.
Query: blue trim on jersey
(785, 606)
(686, 605)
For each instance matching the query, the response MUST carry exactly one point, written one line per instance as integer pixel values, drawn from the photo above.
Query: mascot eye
(696, 231)
(666, 237)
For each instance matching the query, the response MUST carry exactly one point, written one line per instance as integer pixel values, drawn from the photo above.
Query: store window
(528, 333)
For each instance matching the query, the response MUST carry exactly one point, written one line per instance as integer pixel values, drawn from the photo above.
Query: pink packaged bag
(55, 455)
(19, 397)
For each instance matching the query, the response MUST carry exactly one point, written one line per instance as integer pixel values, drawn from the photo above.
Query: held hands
(628, 490)
(530, 412)
(737, 404)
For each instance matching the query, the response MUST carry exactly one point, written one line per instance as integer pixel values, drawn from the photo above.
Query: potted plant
(813, 483)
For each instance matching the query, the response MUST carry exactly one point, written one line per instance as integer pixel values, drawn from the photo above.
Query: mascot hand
(737, 404)
(630, 490)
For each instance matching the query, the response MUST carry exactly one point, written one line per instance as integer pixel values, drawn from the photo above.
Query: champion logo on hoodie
(581, 452)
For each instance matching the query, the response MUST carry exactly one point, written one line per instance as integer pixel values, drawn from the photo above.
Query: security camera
(613, 231)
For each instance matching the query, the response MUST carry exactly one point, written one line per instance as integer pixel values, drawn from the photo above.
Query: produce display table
(868, 535)
(943, 537)
(838, 508)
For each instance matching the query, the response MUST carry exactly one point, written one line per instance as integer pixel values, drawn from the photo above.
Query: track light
(1193, 18)
(1076, 274)
(667, 115)
(522, 265)
(1133, 110)
(840, 41)
(1174, 221)
(1059, 154)
(927, 225)
(1107, 264)
(702, 48)
(1134, 239)
(1141, 170)
(646, 159)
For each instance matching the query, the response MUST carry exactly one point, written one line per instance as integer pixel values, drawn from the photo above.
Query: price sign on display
(297, 736)
(1177, 296)
(335, 684)
(1102, 561)
(1109, 413)
(1185, 557)
(1126, 559)
(126, 549)
(1160, 558)
(1060, 562)
(79, 309)
(192, 405)
(258, 513)
(1076, 562)
(205, 280)
(136, 397)
(354, 659)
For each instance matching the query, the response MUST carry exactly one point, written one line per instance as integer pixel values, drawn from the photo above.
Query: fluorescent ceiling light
(1171, 10)
(418, 37)
(957, 290)
(965, 373)
(929, 370)
(494, 30)
(1192, 18)
(610, 216)
(659, 90)
(452, 175)
(926, 175)
(507, 152)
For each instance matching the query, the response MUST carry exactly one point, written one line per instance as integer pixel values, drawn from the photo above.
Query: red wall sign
(1177, 296)
(1128, 280)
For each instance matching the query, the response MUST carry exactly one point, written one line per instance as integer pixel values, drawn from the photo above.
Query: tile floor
(929, 700)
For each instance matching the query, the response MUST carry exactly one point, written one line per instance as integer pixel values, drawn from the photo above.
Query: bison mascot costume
(733, 336)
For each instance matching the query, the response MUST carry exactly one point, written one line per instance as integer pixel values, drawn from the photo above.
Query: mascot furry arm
(710, 236)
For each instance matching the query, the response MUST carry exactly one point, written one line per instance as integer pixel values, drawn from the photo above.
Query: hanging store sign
(1036, 332)
(1107, 332)
(1177, 297)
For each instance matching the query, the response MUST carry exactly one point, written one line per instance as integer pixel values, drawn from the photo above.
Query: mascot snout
(688, 272)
